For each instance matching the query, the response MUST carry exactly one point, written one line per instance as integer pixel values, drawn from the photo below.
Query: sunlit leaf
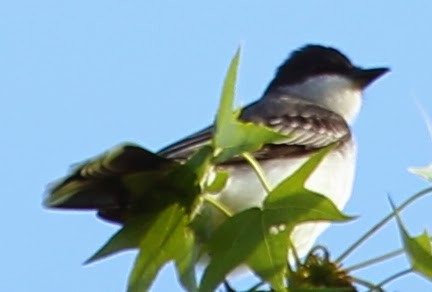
(168, 238)
(231, 244)
(418, 248)
(218, 183)
(269, 259)
(233, 137)
(291, 202)
(225, 111)
(423, 172)
(251, 238)
(128, 237)
(298, 179)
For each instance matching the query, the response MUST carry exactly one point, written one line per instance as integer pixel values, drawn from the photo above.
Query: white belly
(332, 178)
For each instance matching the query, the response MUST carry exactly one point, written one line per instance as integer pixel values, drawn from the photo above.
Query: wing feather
(308, 127)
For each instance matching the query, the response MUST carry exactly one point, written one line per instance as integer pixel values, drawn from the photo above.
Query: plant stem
(258, 170)
(224, 209)
(382, 222)
(295, 254)
(395, 276)
(375, 260)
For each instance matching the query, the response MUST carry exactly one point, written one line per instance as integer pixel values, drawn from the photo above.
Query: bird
(313, 99)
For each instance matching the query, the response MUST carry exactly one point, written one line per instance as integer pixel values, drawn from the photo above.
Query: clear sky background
(78, 77)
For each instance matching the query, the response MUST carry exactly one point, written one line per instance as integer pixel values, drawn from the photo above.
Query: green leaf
(218, 183)
(269, 259)
(128, 237)
(423, 172)
(224, 114)
(168, 238)
(418, 248)
(290, 202)
(233, 137)
(232, 243)
(185, 267)
(298, 179)
(237, 137)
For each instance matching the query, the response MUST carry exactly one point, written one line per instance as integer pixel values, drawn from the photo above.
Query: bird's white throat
(333, 92)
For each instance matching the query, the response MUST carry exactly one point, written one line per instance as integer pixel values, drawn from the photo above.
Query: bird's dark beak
(364, 77)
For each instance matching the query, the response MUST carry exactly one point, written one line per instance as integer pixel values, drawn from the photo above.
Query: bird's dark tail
(99, 184)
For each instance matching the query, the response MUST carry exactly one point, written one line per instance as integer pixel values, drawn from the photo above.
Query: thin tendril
(395, 276)
(375, 260)
(224, 209)
(258, 170)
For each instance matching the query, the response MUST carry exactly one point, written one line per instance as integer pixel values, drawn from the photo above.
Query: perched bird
(313, 99)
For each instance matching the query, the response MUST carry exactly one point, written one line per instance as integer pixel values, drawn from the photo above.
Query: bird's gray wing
(308, 128)
(183, 148)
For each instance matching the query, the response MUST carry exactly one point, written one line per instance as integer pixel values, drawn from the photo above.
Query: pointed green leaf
(302, 206)
(298, 179)
(249, 237)
(291, 203)
(418, 248)
(185, 267)
(423, 172)
(224, 114)
(230, 246)
(269, 259)
(168, 238)
(233, 137)
(128, 237)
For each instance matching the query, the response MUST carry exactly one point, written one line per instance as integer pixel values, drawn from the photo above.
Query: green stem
(224, 209)
(395, 276)
(382, 222)
(258, 170)
(375, 260)
(295, 254)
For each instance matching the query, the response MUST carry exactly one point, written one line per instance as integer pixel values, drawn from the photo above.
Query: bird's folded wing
(308, 129)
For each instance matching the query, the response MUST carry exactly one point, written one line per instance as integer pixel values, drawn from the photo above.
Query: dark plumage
(307, 61)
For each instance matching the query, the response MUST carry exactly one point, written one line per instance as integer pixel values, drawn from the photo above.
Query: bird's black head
(314, 60)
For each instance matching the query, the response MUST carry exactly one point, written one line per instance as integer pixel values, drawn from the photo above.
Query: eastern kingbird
(314, 97)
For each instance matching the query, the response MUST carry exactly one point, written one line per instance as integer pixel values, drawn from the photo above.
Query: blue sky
(78, 77)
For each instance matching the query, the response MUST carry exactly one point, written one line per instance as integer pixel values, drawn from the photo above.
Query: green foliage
(233, 137)
(418, 248)
(424, 172)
